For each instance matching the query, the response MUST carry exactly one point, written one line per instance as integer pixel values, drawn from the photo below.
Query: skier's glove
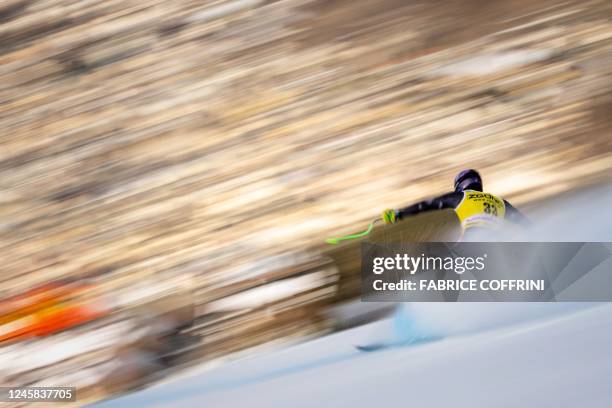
(390, 216)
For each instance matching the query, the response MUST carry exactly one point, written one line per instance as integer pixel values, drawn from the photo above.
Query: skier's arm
(515, 216)
(450, 200)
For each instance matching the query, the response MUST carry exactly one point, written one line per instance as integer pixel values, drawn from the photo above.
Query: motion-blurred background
(167, 167)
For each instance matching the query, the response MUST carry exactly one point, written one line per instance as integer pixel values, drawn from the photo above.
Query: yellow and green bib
(478, 209)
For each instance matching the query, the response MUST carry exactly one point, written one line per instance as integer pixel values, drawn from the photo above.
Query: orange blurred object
(45, 310)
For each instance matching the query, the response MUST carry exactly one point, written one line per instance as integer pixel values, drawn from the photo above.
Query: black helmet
(468, 180)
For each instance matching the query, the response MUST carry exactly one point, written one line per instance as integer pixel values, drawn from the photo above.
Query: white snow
(26, 356)
(271, 292)
(557, 356)
(486, 354)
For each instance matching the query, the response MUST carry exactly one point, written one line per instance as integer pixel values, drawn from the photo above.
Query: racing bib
(478, 209)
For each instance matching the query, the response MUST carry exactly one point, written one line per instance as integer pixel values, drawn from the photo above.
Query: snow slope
(486, 354)
(557, 359)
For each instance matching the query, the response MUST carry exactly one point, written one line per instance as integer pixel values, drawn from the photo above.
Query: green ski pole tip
(334, 241)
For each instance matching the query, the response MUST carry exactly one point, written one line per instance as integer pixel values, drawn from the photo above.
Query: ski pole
(353, 236)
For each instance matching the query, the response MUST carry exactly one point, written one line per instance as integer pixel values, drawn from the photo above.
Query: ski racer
(477, 211)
